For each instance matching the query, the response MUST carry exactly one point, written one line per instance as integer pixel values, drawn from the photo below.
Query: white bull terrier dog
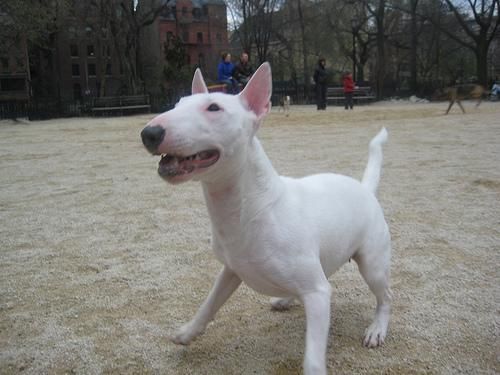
(282, 236)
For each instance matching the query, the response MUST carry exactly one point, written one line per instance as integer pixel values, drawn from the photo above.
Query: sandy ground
(101, 260)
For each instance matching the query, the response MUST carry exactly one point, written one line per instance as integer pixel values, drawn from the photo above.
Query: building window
(184, 11)
(5, 63)
(185, 37)
(197, 13)
(13, 84)
(90, 50)
(19, 63)
(77, 91)
(199, 38)
(201, 60)
(75, 70)
(92, 70)
(108, 69)
(73, 50)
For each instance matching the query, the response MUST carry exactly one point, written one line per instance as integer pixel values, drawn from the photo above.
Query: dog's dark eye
(213, 107)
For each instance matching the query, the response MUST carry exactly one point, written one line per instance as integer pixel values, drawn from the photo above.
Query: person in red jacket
(348, 89)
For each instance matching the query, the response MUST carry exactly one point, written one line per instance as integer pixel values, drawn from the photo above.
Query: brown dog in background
(461, 92)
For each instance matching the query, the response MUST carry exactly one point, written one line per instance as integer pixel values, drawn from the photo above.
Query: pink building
(202, 26)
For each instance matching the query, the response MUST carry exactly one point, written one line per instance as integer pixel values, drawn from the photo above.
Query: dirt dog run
(100, 260)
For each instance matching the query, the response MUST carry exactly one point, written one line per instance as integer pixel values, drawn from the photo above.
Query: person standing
(320, 79)
(243, 70)
(348, 84)
(225, 73)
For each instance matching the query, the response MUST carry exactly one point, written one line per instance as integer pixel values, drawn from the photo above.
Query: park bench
(361, 94)
(217, 88)
(120, 104)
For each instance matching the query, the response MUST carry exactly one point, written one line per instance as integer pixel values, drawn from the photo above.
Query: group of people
(320, 80)
(235, 77)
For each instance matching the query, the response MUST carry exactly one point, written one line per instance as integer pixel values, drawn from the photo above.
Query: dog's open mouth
(173, 165)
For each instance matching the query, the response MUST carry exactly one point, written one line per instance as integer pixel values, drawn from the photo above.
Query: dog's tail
(371, 177)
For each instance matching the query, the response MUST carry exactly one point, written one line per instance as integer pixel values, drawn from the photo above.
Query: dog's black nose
(152, 136)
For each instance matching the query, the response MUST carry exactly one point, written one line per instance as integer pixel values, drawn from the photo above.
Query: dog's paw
(374, 335)
(281, 304)
(186, 334)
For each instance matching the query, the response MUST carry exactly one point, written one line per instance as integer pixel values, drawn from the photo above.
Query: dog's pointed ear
(198, 86)
(257, 92)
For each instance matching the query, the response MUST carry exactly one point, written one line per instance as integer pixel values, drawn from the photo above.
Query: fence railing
(42, 109)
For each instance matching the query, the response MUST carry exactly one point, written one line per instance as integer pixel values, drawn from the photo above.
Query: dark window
(199, 38)
(185, 37)
(77, 91)
(90, 50)
(197, 13)
(92, 70)
(108, 69)
(75, 70)
(13, 84)
(74, 50)
(19, 63)
(184, 11)
(5, 63)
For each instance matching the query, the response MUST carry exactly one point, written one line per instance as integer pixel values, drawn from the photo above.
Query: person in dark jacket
(348, 84)
(225, 73)
(320, 79)
(243, 70)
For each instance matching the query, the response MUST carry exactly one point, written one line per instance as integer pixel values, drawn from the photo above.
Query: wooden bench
(217, 88)
(120, 104)
(360, 94)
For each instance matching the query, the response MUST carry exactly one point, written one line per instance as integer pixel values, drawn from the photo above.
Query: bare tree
(253, 23)
(479, 20)
(127, 23)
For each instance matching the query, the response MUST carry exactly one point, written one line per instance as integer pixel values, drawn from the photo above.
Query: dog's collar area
(174, 165)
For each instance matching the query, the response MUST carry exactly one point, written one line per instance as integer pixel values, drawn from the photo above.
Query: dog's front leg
(227, 282)
(317, 305)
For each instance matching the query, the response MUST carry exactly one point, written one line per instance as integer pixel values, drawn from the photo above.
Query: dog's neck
(246, 193)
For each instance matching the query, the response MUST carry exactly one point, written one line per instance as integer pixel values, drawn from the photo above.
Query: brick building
(201, 25)
(83, 59)
(14, 63)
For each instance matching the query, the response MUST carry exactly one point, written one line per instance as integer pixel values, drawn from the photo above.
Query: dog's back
(462, 92)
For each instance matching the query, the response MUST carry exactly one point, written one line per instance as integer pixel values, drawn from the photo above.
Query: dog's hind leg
(460, 105)
(449, 107)
(374, 266)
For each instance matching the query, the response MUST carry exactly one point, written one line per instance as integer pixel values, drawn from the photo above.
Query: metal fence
(43, 109)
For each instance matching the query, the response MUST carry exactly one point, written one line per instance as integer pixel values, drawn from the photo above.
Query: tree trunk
(380, 69)
(413, 47)
(305, 52)
(482, 62)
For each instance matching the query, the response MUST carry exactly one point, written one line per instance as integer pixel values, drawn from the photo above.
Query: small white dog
(282, 236)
